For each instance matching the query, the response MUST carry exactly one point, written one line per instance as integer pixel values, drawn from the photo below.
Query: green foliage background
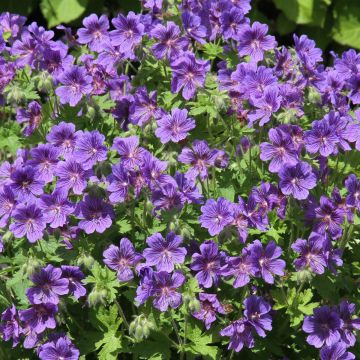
(334, 24)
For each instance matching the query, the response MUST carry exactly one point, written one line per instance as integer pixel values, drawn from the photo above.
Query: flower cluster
(332, 329)
(228, 167)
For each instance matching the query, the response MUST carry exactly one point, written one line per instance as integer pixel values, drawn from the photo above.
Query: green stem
(121, 313)
(180, 347)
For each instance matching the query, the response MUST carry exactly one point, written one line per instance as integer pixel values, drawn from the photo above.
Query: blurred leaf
(304, 11)
(23, 7)
(284, 25)
(62, 11)
(346, 28)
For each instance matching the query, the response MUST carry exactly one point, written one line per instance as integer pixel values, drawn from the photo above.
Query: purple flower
(39, 317)
(60, 348)
(242, 268)
(240, 333)
(56, 208)
(144, 107)
(311, 254)
(56, 60)
(7, 204)
(280, 151)
(29, 221)
(49, 284)
(323, 327)
(90, 148)
(174, 127)
(354, 94)
(164, 289)
(146, 285)
(188, 74)
(257, 314)
(297, 180)
(352, 184)
(130, 152)
(170, 44)
(63, 137)
(306, 50)
(321, 138)
(209, 306)
(25, 183)
(75, 84)
(71, 175)
(119, 182)
(200, 157)
(12, 23)
(336, 351)
(44, 160)
(9, 326)
(75, 276)
(128, 33)
(266, 105)
(346, 312)
(153, 5)
(31, 117)
(207, 264)
(164, 253)
(95, 32)
(352, 133)
(193, 27)
(27, 49)
(96, 214)
(232, 22)
(266, 260)
(216, 215)
(328, 218)
(153, 171)
(188, 189)
(122, 259)
(253, 41)
(167, 197)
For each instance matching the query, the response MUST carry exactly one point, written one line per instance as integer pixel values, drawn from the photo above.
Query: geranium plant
(175, 184)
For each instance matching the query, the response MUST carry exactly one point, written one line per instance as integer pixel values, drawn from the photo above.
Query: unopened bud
(44, 82)
(91, 112)
(31, 266)
(97, 296)
(304, 276)
(86, 260)
(140, 327)
(14, 94)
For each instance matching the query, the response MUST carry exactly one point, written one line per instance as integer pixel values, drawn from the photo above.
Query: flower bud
(97, 296)
(191, 302)
(31, 266)
(86, 260)
(172, 226)
(91, 112)
(185, 232)
(7, 237)
(44, 82)
(148, 206)
(140, 327)
(14, 94)
(304, 276)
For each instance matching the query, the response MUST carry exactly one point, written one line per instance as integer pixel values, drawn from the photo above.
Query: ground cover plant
(174, 184)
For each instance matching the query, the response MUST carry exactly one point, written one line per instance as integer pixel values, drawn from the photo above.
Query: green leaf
(212, 50)
(110, 346)
(62, 11)
(303, 11)
(284, 25)
(200, 342)
(227, 193)
(346, 29)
